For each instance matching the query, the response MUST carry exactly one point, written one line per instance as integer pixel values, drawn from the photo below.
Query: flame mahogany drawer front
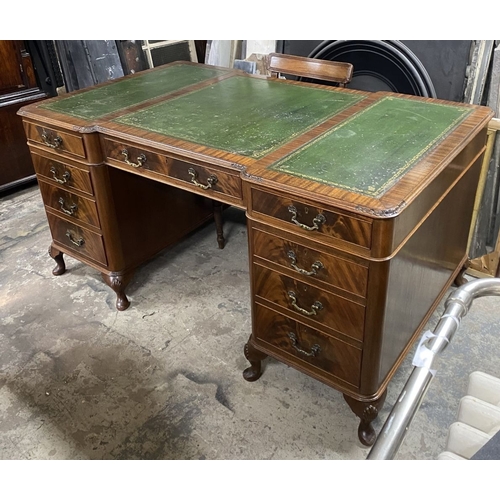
(311, 221)
(303, 346)
(205, 180)
(66, 175)
(321, 309)
(56, 140)
(74, 206)
(78, 240)
(305, 261)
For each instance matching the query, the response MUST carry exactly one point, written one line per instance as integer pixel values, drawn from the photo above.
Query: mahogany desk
(358, 205)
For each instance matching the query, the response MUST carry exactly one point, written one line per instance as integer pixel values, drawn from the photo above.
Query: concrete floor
(163, 380)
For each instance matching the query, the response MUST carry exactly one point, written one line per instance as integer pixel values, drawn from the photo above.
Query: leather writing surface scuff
(96, 103)
(241, 115)
(370, 151)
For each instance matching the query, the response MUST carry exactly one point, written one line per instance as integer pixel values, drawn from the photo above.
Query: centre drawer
(321, 308)
(300, 345)
(204, 180)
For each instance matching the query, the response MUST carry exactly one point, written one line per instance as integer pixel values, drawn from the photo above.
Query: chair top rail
(332, 71)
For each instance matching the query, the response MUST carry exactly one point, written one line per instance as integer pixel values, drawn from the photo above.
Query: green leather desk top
(370, 151)
(242, 115)
(96, 103)
(366, 153)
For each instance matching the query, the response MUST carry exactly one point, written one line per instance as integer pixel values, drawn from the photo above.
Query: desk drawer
(301, 345)
(62, 173)
(305, 261)
(202, 179)
(78, 207)
(79, 240)
(56, 140)
(310, 220)
(315, 306)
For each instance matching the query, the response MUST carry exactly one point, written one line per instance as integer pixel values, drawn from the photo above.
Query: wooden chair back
(305, 67)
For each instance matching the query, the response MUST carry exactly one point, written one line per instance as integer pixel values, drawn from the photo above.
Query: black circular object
(379, 65)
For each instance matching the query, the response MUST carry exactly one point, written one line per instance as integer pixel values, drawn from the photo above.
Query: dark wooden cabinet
(18, 87)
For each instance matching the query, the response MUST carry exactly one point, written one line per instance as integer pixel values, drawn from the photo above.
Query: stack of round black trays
(379, 65)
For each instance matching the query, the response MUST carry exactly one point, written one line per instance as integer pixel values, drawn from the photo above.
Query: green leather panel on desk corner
(96, 103)
(242, 115)
(370, 151)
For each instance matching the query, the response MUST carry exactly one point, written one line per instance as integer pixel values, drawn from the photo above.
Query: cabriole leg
(217, 206)
(367, 413)
(255, 357)
(57, 255)
(118, 282)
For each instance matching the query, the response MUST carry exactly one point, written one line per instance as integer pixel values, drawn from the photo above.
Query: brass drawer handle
(141, 159)
(317, 221)
(194, 179)
(53, 143)
(314, 268)
(72, 209)
(65, 177)
(314, 308)
(315, 349)
(79, 242)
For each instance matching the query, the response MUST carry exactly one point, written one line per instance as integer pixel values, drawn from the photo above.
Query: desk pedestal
(333, 311)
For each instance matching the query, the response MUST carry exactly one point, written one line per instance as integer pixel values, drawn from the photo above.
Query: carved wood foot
(118, 282)
(217, 207)
(57, 255)
(367, 413)
(255, 357)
